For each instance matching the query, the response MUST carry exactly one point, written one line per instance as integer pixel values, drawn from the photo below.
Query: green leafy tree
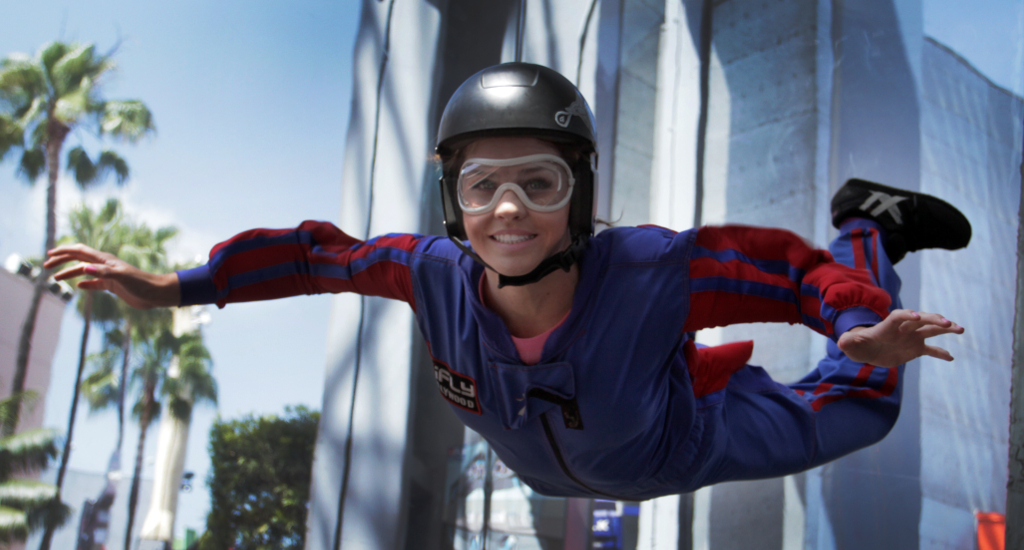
(259, 481)
(26, 504)
(43, 98)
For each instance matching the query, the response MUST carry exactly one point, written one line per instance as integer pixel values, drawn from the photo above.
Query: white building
(15, 298)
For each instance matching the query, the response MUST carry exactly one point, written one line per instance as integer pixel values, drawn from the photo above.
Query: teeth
(512, 239)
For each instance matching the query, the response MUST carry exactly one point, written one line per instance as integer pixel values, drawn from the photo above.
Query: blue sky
(251, 102)
(251, 107)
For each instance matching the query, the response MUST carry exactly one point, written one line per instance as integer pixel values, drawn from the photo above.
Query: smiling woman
(620, 402)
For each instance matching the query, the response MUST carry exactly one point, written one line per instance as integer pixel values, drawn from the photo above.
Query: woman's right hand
(138, 288)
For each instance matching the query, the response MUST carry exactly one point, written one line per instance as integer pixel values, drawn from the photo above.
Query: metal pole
(1015, 485)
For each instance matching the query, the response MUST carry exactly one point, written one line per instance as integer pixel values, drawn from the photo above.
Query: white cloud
(23, 217)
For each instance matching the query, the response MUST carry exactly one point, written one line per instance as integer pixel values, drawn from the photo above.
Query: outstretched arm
(742, 274)
(140, 289)
(260, 264)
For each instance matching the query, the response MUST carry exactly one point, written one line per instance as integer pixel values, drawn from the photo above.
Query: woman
(573, 354)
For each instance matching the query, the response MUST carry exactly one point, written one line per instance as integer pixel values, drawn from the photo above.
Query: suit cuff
(858, 316)
(197, 286)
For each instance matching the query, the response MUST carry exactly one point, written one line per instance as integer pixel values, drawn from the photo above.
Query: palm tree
(156, 358)
(154, 377)
(139, 330)
(104, 387)
(26, 504)
(42, 99)
(183, 387)
(104, 231)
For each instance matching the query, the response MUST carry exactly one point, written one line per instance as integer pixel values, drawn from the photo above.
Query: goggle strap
(469, 252)
(563, 260)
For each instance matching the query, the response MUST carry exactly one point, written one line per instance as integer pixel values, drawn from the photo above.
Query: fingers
(938, 353)
(930, 324)
(92, 284)
(73, 252)
(898, 316)
(82, 270)
(933, 330)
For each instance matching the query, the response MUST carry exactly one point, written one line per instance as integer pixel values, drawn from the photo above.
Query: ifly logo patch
(459, 390)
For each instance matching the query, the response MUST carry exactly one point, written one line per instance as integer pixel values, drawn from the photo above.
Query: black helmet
(522, 99)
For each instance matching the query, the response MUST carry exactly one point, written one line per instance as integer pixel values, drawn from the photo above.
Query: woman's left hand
(899, 338)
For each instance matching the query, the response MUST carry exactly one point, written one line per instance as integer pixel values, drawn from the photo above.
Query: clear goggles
(542, 182)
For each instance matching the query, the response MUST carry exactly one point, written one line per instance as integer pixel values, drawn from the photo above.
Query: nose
(509, 206)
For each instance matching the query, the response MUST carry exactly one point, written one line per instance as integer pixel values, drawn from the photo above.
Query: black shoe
(912, 221)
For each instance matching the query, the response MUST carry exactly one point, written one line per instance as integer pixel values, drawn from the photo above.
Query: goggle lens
(542, 182)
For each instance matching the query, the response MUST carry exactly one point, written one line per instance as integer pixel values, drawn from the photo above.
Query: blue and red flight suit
(622, 403)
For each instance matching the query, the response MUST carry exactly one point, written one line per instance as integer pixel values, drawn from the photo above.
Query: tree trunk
(56, 133)
(126, 348)
(133, 496)
(87, 316)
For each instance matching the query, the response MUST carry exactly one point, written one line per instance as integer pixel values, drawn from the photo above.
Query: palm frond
(87, 172)
(52, 513)
(180, 408)
(193, 382)
(39, 136)
(73, 105)
(130, 120)
(34, 112)
(28, 450)
(164, 234)
(156, 407)
(101, 387)
(13, 525)
(110, 212)
(9, 406)
(11, 134)
(32, 164)
(75, 67)
(110, 161)
(52, 52)
(21, 79)
(26, 493)
(81, 166)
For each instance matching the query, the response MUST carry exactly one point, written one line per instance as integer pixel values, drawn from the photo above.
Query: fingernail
(91, 270)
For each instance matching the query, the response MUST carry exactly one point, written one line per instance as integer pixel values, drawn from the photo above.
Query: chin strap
(563, 260)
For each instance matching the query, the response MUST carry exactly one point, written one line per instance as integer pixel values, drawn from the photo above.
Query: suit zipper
(565, 467)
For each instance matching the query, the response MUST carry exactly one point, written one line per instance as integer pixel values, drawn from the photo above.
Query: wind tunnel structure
(713, 112)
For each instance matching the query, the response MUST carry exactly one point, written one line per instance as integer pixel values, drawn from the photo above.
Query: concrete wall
(970, 151)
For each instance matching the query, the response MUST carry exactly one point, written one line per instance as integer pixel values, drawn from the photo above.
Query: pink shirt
(529, 348)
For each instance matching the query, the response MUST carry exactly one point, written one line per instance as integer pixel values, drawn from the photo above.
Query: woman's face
(511, 238)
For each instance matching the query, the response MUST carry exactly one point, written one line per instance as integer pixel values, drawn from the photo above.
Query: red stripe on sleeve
(723, 308)
(839, 287)
(891, 380)
(385, 277)
(874, 253)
